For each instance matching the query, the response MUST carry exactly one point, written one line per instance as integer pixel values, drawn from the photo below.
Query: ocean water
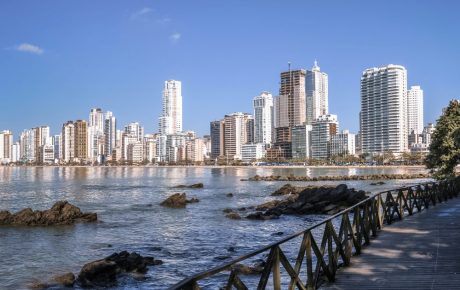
(127, 201)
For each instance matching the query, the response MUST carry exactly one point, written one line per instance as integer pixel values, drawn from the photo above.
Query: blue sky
(60, 58)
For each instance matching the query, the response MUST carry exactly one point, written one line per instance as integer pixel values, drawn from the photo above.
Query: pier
(406, 238)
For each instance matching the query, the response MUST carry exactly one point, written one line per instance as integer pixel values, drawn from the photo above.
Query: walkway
(420, 252)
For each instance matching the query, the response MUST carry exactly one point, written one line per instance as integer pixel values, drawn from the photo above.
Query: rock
(221, 258)
(310, 200)
(193, 200)
(229, 194)
(285, 190)
(38, 285)
(231, 249)
(227, 210)
(277, 234)
(103, 273)
(177, 200)
(196, 185)
(249, 270)
(335, 178)
(66, 280)
(100, 273)
(61, 213)
(233, 216)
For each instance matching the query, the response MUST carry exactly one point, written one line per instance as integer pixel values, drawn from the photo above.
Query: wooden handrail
(323, 260)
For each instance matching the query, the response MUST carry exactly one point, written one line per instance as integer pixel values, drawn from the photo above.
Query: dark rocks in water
(310, 200)
(277, 234)
(233, 216)
(221, 258)
(285, 190)
(227, 210)
(378, 183)
(38, 285)
(337, 178)
(229, 194)
(196, 185)
(258, 215)
(61, 213)
(178, 200)
(231, 249)
(66, 280)
(103, 273)
(249, 270)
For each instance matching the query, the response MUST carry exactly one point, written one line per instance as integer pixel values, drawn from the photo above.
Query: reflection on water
(127, 202)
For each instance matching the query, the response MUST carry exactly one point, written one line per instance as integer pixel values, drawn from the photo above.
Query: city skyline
(56, 72)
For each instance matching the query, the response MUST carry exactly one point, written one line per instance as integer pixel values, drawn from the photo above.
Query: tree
(444, 153)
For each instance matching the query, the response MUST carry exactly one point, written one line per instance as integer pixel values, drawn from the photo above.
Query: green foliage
(444, 153)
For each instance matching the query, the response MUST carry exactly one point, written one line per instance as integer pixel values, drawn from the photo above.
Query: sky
(59, 59)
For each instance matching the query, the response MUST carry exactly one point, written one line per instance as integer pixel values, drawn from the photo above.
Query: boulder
(229, 194)
(61, 213)
(233, 216)
(310, 200)
(285, 190)
(100, 273)
(103, 273)
(177, 200)
(249, 270)
(66, 280)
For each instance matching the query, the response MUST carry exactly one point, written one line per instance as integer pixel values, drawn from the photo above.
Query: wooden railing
(357, 225)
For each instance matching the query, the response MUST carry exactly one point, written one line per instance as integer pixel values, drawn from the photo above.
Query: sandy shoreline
(225, 166)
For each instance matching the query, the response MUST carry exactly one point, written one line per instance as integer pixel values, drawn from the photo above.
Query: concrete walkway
(420, 252)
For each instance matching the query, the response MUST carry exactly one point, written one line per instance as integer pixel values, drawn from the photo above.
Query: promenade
(421, 252)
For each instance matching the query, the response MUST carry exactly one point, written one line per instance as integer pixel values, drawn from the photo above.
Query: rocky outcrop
(103, 273)
(311, 200)
(257, 268)
(233, 215)
(196, 185)
(338, 178)
(178, 200)
(61, 213)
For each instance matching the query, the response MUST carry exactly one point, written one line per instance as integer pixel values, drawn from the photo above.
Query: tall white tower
(415, 110)
(316, 87)
(170, 121)
(263, 118)
(384, 109)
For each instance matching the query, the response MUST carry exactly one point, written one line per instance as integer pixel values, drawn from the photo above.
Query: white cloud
(175, 37)
(30, 48)
(142, 12)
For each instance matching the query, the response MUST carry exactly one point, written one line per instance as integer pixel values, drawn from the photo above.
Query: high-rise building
(150, 147)
(323, 128)
(316, 87)
(6, 143)
(81, 140)
(57, 147)
(235, 134)
(136, 130)
(28, 148)
(68, 141)
(263, 118)
(301, 141)
(290, 105)
(217, 131)
(252, 152)
(135, 152)
(343, 144)
(170, 121)
(415, 110)
(96, 119)
(384, 109)
(110, 133)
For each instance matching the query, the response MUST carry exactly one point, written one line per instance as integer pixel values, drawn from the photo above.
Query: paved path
(421, 252)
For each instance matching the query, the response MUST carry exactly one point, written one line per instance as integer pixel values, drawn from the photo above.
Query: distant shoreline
(224, 166)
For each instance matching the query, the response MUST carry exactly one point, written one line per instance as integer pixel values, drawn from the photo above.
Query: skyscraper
(68, 141)
(170, 121)
(384, 109)
(316, 87)
(235, 134)
(96, 137)
(415, 110)
(291, 99)
(110, 133)
(263, 118)
(81, 139)
(217, 138)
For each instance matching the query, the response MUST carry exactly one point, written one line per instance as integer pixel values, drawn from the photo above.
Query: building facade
(301, 141)
(170, 121)
(343, 144)
(317, 93)
(263, 118)
(384, 109)
(415, 110)
(323, 128)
